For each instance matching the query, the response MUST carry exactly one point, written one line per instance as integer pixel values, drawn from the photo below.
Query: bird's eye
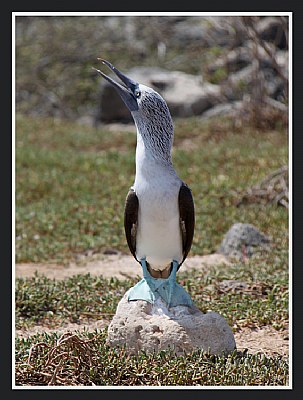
(138, 94)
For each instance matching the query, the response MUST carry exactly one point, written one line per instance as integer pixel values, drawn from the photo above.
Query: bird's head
(149, 110)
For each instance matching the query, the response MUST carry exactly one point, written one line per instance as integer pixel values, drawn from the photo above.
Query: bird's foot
(149, 289)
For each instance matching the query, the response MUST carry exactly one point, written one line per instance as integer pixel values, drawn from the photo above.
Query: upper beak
(126, 92)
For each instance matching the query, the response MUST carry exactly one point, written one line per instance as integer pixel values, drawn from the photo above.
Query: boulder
(242, 70)
(231, 109)
(271, 29)
(186, 95)
(142, 326)
(233, 61)
(243, 239)
(188, 32)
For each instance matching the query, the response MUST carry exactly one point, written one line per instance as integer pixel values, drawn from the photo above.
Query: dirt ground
(108, 265)
(266, 340)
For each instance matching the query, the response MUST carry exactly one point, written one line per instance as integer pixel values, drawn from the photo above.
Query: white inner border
(290, 133)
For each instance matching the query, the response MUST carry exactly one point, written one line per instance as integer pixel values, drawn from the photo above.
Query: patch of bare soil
(117, 265)
(266, 339)
(68, 327)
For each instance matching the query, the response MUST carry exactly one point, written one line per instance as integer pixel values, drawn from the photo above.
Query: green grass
(40, 300)
(71, 183)
(83, 298)
(90, 361)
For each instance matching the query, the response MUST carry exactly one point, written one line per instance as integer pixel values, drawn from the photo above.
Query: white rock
(186, 95)
(139, 325)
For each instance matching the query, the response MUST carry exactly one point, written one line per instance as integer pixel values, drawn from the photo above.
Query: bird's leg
(144, 268)
(172, 279)
(143, 290)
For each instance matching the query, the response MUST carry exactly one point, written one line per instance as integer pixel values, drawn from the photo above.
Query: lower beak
(125, 92)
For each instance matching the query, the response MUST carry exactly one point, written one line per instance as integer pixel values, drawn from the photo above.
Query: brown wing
(187, 218)
(131, 220)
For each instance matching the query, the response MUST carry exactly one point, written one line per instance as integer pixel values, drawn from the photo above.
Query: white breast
(158, 233)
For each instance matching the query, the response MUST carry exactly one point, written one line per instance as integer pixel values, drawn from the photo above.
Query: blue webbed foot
(149, 289)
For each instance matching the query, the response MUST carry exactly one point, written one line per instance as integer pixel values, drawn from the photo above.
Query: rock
(241, 57)
(231, 109)
(278, 105)
(271, 30)
(186, 95)
(231, 285)
(204, 32)
(242, 69)
(185, 34)
(238, 82)
(142, 326)
(238, 109)
(224, 32)
(242, 239)
(233, 61)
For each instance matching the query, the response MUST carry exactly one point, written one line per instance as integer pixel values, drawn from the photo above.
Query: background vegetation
(55, 56)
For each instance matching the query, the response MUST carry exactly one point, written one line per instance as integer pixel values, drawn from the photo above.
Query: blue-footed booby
(159, 215)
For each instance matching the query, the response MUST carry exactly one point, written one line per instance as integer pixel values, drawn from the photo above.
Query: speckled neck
(155, 127)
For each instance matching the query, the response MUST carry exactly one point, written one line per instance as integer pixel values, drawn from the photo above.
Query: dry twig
(273, 189)
(63, 362)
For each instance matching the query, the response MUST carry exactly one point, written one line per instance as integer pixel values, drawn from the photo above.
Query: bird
(159, 212)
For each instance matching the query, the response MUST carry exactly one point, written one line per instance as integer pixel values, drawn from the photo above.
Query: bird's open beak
(126, 92)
